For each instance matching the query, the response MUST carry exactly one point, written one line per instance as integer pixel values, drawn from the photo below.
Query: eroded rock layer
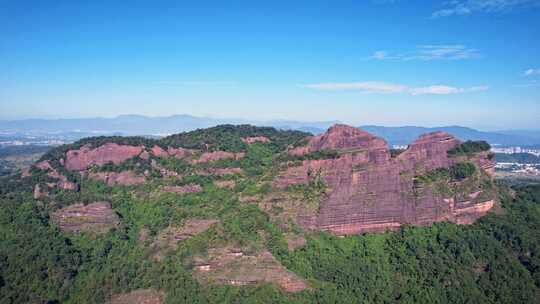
(231, 266)
(86, 156)
(96, 217)
(169, 237)
(368, 190)
(217, 155)
(118, 178)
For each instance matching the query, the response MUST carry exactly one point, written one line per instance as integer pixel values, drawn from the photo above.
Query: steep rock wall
(367, 190)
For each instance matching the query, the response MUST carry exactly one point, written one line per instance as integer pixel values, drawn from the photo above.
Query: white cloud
(467, 7)
(391, 88)
(531, 72)
(431, 52)
(367, 86)
(380, 55)
(452, 52)
(444, 90)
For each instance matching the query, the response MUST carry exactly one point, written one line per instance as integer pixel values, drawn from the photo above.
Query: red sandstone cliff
(84, 157)
(367, 190)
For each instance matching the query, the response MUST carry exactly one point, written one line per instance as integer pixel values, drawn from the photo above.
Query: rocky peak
(366, 190)
(342, 137)
(426, 141)
(430, 150)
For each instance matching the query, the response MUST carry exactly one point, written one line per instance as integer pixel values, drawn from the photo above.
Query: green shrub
(462, 170)
(229, 138)
(469, 147)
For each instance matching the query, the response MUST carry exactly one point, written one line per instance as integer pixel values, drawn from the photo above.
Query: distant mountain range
(144, 125)
(405, 135)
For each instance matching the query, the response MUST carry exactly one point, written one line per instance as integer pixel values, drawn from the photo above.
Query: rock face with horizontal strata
(96, 217)
(367, 190)
(169, 237)
(341, 137)
(230, 266)
(81, 159)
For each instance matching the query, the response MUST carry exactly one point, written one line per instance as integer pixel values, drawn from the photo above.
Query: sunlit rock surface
(368, 190)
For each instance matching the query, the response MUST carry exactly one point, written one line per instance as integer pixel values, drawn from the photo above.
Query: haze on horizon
(385, 62)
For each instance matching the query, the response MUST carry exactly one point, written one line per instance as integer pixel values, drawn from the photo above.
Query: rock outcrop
(222, 171)
(38, 192)
(229, 184)
(179, 153)
(169, 237)
(62, 183)
(190, 188)
(217, 155)
(254, 139)
(294, 241)
(126, 178)
(139, 296)
(368, 190)
(83, 158)
(344, 138)
(230, 266)
(96, 217)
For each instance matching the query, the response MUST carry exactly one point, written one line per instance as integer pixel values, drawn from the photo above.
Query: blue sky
(472, 62)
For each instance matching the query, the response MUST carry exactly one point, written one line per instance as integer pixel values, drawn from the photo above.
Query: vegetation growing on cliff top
(229, 138)
(470, 147)
(458, 171)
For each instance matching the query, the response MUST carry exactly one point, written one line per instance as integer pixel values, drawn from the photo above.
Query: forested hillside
(204, 227)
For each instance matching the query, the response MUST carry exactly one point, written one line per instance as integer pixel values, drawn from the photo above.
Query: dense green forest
(495, 260)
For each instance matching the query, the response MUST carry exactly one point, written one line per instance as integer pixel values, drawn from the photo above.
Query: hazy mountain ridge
(404, 135)
(144, 125)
